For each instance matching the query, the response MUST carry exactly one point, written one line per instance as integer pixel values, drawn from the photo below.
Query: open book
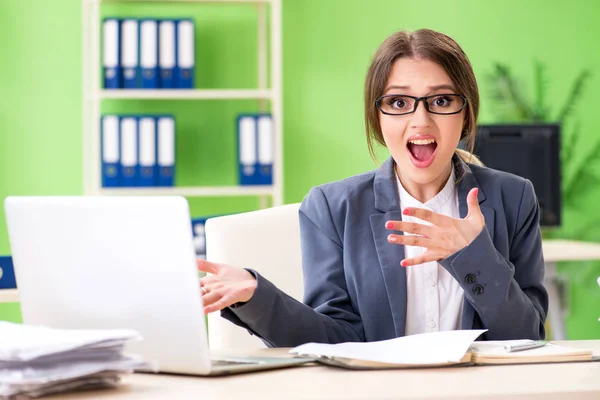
(438, 349)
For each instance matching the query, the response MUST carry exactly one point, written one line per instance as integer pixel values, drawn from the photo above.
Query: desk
(556, 251)
(569, 381)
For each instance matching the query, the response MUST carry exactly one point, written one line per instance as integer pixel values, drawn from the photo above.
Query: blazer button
(470, 279)
(478, 289)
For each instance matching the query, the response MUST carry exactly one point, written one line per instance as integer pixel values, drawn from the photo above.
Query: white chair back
(267, 241)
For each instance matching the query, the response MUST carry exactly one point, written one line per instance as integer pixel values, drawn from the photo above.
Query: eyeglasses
(400, 104)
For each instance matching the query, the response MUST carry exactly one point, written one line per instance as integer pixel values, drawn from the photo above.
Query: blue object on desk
(7, 273)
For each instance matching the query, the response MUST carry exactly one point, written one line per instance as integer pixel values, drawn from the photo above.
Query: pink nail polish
(406, 211)
(389, 225)
(392, 238)
(403, 263)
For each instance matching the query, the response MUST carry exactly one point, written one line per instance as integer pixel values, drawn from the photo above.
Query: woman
(431, 240)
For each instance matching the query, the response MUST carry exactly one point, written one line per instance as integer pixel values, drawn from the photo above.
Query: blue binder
(149, 53)
(199, 236)
(130, 53)
(111, 33)
(166, 150)
(109, 143)
(265, 149)
(147, 143)
(247, 150)
(129, 151)
(185, 38)
(7, 273)
(167, 53)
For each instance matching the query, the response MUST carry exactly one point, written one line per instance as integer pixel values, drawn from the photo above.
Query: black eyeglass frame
(418, 99)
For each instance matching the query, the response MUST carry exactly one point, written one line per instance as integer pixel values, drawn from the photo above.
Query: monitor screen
(530, 151)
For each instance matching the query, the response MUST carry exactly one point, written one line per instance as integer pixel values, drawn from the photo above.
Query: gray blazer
(355, 289)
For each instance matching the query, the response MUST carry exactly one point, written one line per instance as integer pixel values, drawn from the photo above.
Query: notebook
(437, 349)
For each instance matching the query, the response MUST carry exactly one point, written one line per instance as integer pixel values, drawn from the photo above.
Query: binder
(185, 38)
(109, 143)
(111, 32)
(129, 151)
(7, 273)
(199, 237)
(247, 150)
(149, 53)
(130, 53)
(166, 151)
(147, 151)
(265, 150)
(167, 40)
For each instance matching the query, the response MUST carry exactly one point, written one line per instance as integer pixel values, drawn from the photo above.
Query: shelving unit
(9, 296)
(94, 94)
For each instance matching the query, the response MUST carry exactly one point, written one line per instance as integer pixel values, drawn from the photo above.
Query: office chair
(267, 241)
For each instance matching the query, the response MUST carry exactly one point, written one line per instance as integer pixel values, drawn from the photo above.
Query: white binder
(185, 54)
(265, 149)
(110, 151)
(129, 53)
(149, 53)
(110, 53)
(147, 153)
(129, 151)
(247, 150)
(166, 53)
(166, 151)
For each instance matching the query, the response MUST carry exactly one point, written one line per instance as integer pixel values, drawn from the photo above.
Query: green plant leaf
(574, 95)
(509, 103)
(580, 170)
(540, 111)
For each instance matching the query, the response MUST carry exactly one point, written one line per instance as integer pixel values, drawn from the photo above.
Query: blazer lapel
(387, 202)
(467, 183)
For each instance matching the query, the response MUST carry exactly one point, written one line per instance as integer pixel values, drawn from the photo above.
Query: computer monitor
(530, 151)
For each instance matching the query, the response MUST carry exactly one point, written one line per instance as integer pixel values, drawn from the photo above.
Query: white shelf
(180, 1)
(191, 191)
(187, 94)
(9, 296)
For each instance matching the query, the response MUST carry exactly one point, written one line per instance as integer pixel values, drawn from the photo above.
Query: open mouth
(422, 151)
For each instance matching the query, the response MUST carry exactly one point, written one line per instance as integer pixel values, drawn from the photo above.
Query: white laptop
(118, 262)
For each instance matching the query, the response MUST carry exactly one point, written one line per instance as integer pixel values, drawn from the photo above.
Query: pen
(526, 346)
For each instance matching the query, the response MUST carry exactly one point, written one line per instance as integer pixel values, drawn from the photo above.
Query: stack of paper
(36, 360)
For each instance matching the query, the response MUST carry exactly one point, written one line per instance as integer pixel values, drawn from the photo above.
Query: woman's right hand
(226, 286)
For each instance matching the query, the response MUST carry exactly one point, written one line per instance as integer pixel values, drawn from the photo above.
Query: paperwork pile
(36, 360)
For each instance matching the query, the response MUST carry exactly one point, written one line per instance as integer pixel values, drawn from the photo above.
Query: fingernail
(392, 238)
(389, 225)
(403, 263)
(476, 192)
(406, 211)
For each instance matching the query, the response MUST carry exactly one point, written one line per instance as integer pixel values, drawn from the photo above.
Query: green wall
(327, 46)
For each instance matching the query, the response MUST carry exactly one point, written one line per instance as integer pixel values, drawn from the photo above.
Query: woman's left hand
(444, 237)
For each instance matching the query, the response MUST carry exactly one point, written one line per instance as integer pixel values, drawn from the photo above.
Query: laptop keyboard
(218, 363)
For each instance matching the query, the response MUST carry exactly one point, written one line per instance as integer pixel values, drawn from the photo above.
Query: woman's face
(421, 143)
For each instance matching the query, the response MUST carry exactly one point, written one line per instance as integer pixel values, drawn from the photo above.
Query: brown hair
(429, 45)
